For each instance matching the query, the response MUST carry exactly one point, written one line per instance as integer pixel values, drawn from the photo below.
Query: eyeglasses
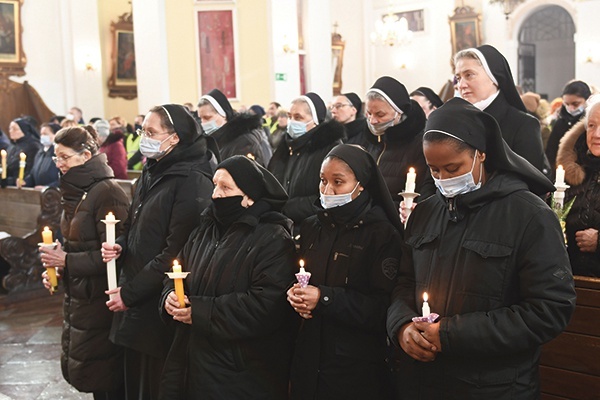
(142, 132)
(339, 105)
(63, 159)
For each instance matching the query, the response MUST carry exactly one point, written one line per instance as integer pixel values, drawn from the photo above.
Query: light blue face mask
(210, 127)
(462, 184)
(337, 200)
(296, 128)
(577, 111)
(45, 140)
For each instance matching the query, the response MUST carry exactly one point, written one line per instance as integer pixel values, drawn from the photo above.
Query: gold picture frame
(337, 61)
(465, 29)
(123, 78)
(12, 56)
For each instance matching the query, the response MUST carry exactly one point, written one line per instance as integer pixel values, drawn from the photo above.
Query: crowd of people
(242, 198)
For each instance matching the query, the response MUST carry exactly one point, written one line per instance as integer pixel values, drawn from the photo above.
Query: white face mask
(577, 111)
(337, 200)
(210, 127)
(296, 128)
(379, 129)
(462, 184)
(46, 141)
(151, 147)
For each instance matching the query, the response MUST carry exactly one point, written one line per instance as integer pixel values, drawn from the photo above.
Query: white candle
(111, 268)
(302, 270)
(426, 311)
(410, 180)
(560, 176)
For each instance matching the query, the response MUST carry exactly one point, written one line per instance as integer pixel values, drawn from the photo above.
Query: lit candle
(47, 240)
(426, 311)
(47, 235)
(302, 271)
(22, 164)
(410, 180)
(3, 153)
(303, 277)
(111, 268)
(560, 176)
(178, 284)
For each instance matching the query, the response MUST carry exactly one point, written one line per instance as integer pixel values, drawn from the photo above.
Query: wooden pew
(570, 364)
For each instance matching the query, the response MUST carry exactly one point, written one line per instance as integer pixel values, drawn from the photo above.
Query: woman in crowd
(574, 96)
(484, 79)
(234, 338)
(111, 135)
(235, 133)
(579, 154)
(44, 171)
(352, 249)
(297, 160)
(173, 191)
(491, 256)
(396, 124)
(24, 139)
(89, 361)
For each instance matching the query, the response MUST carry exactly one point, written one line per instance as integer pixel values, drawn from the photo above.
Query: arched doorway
(547, 51)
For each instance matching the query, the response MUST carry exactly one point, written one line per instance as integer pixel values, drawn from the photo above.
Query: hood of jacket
(318, 137)
(407, 129)
(570, 157)
(238, 125)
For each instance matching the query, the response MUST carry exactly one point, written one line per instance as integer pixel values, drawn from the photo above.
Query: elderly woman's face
(445, 161)
(301, 112)
(208, 113)
(379, 111)
(67, 158)
(14, 131)
(338, 178)
(225, 186)
(473, 83)
(593, 132)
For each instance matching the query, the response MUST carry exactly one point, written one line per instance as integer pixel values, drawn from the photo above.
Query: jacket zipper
(382, 151)
(80, 201)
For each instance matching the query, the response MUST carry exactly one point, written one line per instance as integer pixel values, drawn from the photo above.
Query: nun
(396, 124)
(24, 139)
(427, 99)
(491, 256)
(484, 79)
(352, 250)
(234, 338)
(297, 159)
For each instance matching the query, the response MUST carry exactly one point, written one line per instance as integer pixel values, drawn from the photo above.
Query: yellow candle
(410, 180)
(3, 153)
(47, 236)
(178, 284)
(22, 166)
(53, 280)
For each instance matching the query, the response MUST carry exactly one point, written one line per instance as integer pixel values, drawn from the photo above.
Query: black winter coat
(520, 131)
(582, 172)
(242, 135)
(29, 145)
(166, 207)
(495, 267)
(240, 342)
(44, 171)
(353, 253)
(400, 148)
(564, 122)
(89, 361)
(297, 164)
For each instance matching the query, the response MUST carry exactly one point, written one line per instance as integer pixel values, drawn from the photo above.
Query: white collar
(483, 104)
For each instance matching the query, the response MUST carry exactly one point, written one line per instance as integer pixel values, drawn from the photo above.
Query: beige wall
(109, 11)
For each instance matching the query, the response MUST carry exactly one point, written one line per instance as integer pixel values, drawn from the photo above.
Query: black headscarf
(317, 107)
(255, 181)
(27, 128)
(430, 95)
(461, 120)
(355, 100)
(498, 66)
(184, 123)
(394, 92)
(220, 103)
(367, 173)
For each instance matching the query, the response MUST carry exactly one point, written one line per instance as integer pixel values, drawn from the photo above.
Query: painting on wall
(217, 52)
(465, 30)
(415, 19)
(12, 57)
(123, 79)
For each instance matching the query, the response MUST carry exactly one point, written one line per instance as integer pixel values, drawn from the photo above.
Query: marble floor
(30, 350)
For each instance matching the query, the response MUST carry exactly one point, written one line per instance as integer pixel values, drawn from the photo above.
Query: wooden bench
(570, 364)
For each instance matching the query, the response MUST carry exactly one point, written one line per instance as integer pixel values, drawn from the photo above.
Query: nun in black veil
(491, 256)
(352, 249)
(485, 80)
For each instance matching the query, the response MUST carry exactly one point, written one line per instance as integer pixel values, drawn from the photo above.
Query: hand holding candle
(178, 276)
(22, 164)
(111, 268)
(303, 277)
(47, 241)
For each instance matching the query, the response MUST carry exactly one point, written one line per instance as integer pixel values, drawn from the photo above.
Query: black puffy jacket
(495, 267)
(240, 342)
(28, 144)
(89, 361)
(166, 207)
(563, 124)
(242, 135)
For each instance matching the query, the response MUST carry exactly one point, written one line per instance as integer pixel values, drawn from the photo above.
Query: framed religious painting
(465, 29)
(123, 78)
(337, 61)
(12, 57)
(217, 51)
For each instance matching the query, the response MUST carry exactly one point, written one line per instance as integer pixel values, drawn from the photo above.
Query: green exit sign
(280, 76)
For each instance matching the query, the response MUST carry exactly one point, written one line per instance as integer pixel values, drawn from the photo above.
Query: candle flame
(301, 263)
(46, 229)
(411, 170)
(3, 152)
(560, 167)
(251, 156)
(23, 156)
(110, 213)
(175, 263)
(425, 296)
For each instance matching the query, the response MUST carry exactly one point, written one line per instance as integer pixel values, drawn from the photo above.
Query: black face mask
(228, 209)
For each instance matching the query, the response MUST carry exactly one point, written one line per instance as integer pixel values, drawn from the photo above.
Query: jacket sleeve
(365, 310)
(546, 296)
(528, 143)
(89, 263)
(301, 207)
(256, 311)
(185, 215)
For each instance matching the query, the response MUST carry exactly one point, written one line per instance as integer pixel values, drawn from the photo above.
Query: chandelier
(507, 5)
(391, 31)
